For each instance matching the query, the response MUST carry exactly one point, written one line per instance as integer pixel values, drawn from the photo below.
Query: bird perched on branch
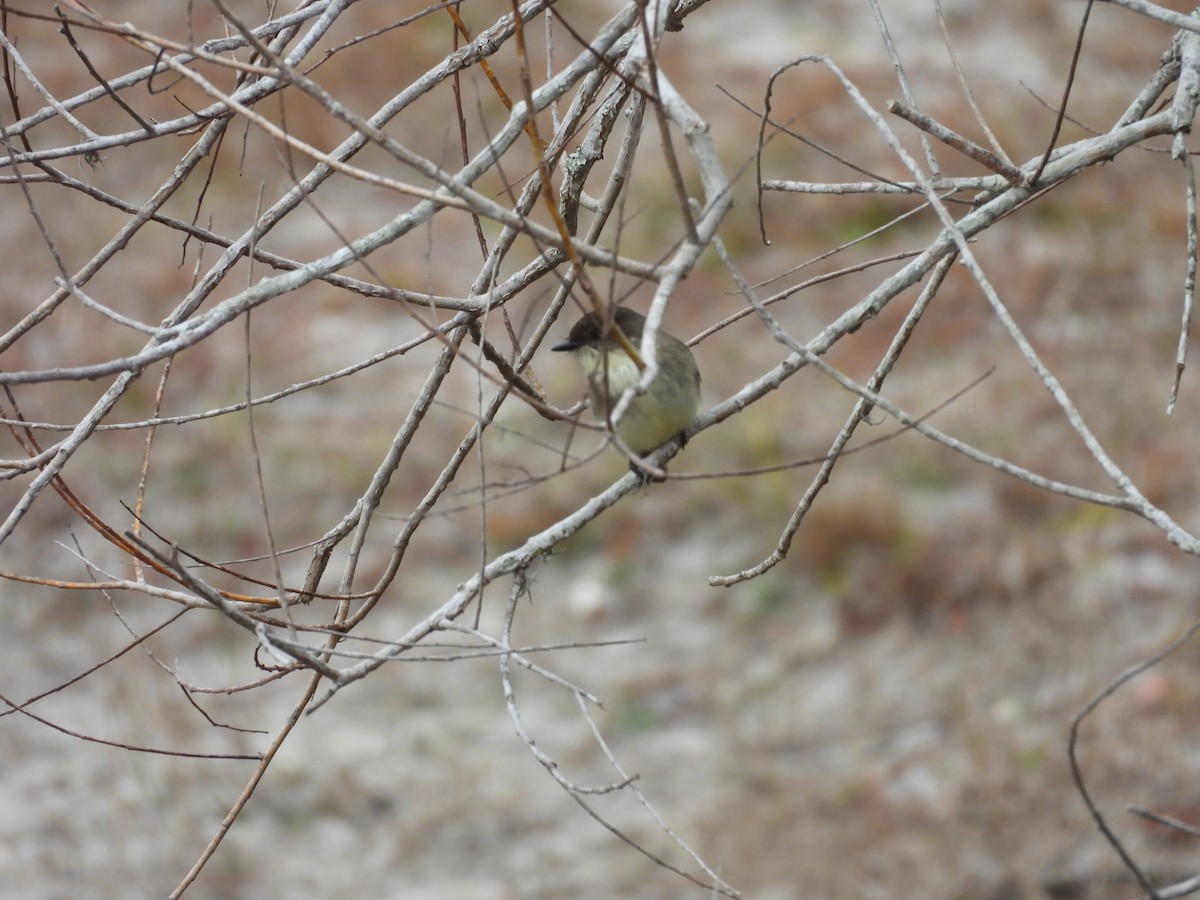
(670, 402)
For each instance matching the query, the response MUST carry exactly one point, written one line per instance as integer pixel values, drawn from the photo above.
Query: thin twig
(1077, 769)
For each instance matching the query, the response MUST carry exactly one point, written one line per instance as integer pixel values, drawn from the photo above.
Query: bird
(669, 403)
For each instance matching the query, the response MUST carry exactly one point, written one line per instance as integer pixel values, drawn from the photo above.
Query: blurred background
(885, 713)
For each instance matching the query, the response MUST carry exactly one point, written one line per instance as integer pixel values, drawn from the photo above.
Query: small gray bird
(669, 403)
